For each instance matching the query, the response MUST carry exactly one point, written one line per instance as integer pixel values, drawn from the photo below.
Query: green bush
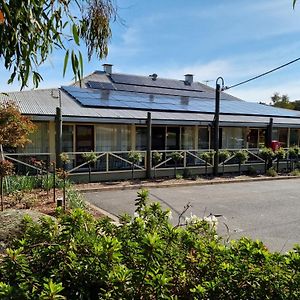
(145, 257)
(75, 199)
(271, 172)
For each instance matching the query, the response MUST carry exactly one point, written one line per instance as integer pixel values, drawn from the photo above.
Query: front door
(84, 140)
(158, 138)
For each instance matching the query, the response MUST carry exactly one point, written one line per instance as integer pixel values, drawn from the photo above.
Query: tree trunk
(1, 191)
(240, 169)
(132, 170)
(90, 170)
(54, 183)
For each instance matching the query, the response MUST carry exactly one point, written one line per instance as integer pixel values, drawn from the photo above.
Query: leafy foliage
(14, 127)
(294, 152)
(282, 101)
(30, 30)
(157, 157)
(145, 257)
(90, 156)
(135, 157)
(266, 154)
(223, 155)
(241, 156)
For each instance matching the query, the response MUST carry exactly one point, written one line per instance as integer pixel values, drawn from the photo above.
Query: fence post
(107, 161)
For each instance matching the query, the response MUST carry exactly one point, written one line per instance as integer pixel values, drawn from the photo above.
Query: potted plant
(241, 156)
(156, 158)
(280, 154)
(135, 158)
(223, 156)
(208, 158)
(267, 154)
(176, 156)
(90, 157)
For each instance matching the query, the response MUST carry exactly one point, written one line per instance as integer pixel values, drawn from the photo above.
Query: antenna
(207, 81)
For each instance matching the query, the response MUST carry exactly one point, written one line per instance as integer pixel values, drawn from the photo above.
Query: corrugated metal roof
(42, 104)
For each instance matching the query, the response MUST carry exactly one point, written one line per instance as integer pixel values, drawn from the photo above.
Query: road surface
(265, 210)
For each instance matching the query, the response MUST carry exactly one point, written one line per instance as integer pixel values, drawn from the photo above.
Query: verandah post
(149, 146)
(58, 137)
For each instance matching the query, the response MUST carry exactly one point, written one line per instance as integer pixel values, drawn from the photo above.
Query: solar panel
(101, 85)
(159, 82)
(130, 100)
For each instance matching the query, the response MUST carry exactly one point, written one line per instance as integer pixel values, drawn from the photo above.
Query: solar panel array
(159, 82)
(101, 85)
(130, 100)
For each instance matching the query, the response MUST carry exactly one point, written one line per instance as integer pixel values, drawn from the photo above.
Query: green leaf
(66, 62)
(75, 34)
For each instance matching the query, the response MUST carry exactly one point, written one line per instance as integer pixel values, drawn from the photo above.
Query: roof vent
(153, 76)
(188, 79)
(107, 68)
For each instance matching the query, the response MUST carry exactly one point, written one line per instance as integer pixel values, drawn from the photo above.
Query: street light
(216, 123)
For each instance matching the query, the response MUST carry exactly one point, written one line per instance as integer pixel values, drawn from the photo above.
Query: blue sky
(236, 39)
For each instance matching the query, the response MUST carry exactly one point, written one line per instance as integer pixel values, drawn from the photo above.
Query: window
(113, 138)
(141, 138)
(232, 138)
(203, 138)
(39, 139)
(187, 138)
(294, 137)
(281, 135)
(252, 138)
(67, 138)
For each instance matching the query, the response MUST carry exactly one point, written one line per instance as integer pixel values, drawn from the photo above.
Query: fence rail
(120, 161)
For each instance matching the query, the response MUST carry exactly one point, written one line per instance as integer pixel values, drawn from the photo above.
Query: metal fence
(120, 161)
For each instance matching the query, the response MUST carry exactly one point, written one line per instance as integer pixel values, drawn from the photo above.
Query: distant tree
(282, 101)
(296, 104)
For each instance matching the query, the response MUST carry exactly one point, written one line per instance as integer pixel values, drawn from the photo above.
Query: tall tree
(282, 101)
(31, 29)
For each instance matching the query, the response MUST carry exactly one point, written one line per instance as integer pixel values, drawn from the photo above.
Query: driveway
(266, 210)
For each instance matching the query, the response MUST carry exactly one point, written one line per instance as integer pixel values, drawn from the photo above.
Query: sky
(235, 39)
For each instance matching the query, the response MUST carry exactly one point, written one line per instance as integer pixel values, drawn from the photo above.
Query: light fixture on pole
(216, 123)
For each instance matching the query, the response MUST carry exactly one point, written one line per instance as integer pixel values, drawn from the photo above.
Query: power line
(261, 75)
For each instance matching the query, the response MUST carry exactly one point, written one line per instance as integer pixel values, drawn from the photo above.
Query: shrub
(279, 154)
(156, 158)
(271, 172)
(145, 257)
(208, 158)
(267, 154)
(177, 157)
(295, 172)
(223, 155)
(135, 158)
(75, 199)
(241, 156)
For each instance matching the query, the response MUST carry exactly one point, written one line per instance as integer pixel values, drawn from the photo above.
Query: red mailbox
(275, 145)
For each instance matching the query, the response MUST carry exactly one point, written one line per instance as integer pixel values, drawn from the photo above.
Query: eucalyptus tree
(31, 29)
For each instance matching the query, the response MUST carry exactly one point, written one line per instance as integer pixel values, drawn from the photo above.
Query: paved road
(266, 210)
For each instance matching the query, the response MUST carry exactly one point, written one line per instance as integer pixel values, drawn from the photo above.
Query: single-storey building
(107, 112)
